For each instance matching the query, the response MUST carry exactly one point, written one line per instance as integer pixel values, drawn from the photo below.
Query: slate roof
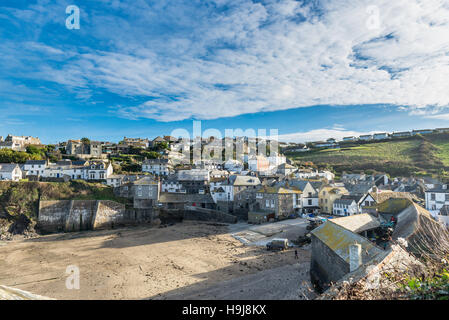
(285, 166)
(346, 202)
(156, 161)
(37, 162)
(300, 184)
(385, 195)
(166, 197)
(358, 188)
(239, 180)
(7, 167)
(279, 190)
(193, 175)
(358, 222)
(338, 239)
(145, 181)
(355, 197)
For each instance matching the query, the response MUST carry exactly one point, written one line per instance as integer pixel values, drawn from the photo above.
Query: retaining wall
(196, 213)
(78, 215)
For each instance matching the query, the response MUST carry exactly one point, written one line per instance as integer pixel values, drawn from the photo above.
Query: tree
(85, 140)
(135, 150)
(11, 156)
(34, 150)
(150, 154)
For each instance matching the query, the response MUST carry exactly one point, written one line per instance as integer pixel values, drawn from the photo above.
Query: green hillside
(418, 155)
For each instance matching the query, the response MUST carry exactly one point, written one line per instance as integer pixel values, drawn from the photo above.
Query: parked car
(277, 244)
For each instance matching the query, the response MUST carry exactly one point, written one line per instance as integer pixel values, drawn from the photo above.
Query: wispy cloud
(212, 59)
(443, 116)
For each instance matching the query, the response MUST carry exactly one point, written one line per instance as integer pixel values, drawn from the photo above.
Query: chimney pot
(355, 257)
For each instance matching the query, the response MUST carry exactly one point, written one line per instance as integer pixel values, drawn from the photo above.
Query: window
(310, 194)
(267, 203)
(310, 202)
(446, 197)
(432, 196)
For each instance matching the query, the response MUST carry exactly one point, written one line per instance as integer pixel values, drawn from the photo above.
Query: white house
(230, 189)
(366, 137)
(222, 193)
(380, 136)
(233, 165)
(258, 163)
(422, 131)
(171, 184)
(286, 169)
(11, 145)
(160, 167)
(401, 134)
(367, 201)
(10, 171)
(99, 171)
(437, 198)
(116, 180)
(91, 171)
(345, 207)
(309, 173)
(35, 167)
(326, 174)
(308, 197)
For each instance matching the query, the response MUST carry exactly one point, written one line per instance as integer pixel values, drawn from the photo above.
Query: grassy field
(443, 152)
(428, 155)
(385, 151)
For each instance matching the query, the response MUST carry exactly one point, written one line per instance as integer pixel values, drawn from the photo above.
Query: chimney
(355, 256)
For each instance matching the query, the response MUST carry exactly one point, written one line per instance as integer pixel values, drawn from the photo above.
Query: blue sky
(311, 69)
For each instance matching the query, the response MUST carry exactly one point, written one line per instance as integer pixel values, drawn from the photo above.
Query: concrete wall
(80, 215)
(77, 215)
(195, 213)
(53, 214)
(110, 214)
(326, 266)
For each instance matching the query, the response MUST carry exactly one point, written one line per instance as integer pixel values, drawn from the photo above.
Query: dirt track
(189, 260)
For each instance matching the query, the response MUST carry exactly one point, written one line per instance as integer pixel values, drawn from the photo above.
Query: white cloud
(320, 135)
(444, 116)
(265, 56)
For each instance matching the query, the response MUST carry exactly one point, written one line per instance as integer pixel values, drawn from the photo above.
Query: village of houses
(337, 225)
